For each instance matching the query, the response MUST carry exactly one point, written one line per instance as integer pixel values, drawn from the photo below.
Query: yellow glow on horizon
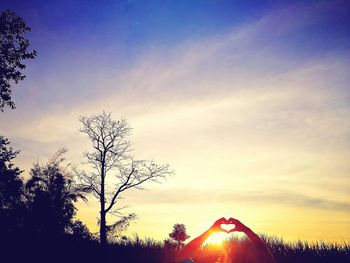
(216, 239)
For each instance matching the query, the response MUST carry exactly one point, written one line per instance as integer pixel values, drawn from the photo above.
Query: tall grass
(139, 250)
(303, 251)
(150, 250)
(299, 251)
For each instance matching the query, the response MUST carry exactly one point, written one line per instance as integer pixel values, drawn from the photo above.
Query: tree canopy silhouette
(11, 190)
(51, 194)
(13, 50)
(179, 234)
(111, 154)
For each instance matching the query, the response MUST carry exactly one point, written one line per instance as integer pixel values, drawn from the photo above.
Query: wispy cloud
(279, 197)
(244, 110)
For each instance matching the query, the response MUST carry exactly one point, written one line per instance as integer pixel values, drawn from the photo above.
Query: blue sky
(93, 36)
(124, 29)
(250, 98)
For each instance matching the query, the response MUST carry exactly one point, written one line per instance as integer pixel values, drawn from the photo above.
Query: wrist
(247, 230)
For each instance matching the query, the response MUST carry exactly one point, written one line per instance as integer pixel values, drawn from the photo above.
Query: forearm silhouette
(192, 248)
(264, 253)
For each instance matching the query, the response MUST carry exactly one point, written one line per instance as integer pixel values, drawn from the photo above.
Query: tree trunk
(103, 234)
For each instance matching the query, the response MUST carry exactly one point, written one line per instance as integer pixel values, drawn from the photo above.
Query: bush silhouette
(51, 195)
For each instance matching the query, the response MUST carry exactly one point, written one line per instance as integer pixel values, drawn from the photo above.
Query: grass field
(136, 250)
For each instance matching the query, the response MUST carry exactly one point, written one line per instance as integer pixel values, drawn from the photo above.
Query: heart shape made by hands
(227, 227)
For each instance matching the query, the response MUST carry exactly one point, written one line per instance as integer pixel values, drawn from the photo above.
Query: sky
(248, 102)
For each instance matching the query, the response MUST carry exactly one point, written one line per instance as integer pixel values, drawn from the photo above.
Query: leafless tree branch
(111, 154)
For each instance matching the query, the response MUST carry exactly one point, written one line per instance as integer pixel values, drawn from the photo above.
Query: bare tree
(111, 154)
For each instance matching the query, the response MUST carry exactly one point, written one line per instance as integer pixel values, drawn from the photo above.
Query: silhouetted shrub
(12, 207)
(51, 193)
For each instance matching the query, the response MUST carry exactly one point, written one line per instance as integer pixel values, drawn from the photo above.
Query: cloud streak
(182, 196)
(244, 110)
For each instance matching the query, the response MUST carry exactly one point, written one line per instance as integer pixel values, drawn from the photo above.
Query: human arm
(265, 254)
(190, 250)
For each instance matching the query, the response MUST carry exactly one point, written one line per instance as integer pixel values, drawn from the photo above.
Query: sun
(216, 239)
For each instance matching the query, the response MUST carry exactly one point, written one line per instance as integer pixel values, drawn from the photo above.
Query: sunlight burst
(216, 239)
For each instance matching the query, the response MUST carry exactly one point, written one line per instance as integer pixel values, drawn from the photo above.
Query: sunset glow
(249, 104)
(216, 239)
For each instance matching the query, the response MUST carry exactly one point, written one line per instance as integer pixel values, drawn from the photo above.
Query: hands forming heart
(228, 225)
(223, 225)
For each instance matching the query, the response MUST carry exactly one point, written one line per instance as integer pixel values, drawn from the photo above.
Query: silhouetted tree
(111, 154)
(51, 194)
(169, 243)
(13, 50)
(79, 229)
(179, 234)
(115, 230)
(11, 191)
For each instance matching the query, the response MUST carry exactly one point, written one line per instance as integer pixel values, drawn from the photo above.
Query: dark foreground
(71, 249)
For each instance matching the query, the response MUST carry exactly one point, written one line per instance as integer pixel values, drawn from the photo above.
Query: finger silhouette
(216, 227)
(239, 227)
(236, 224)
(222, 220)
(232, 220)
